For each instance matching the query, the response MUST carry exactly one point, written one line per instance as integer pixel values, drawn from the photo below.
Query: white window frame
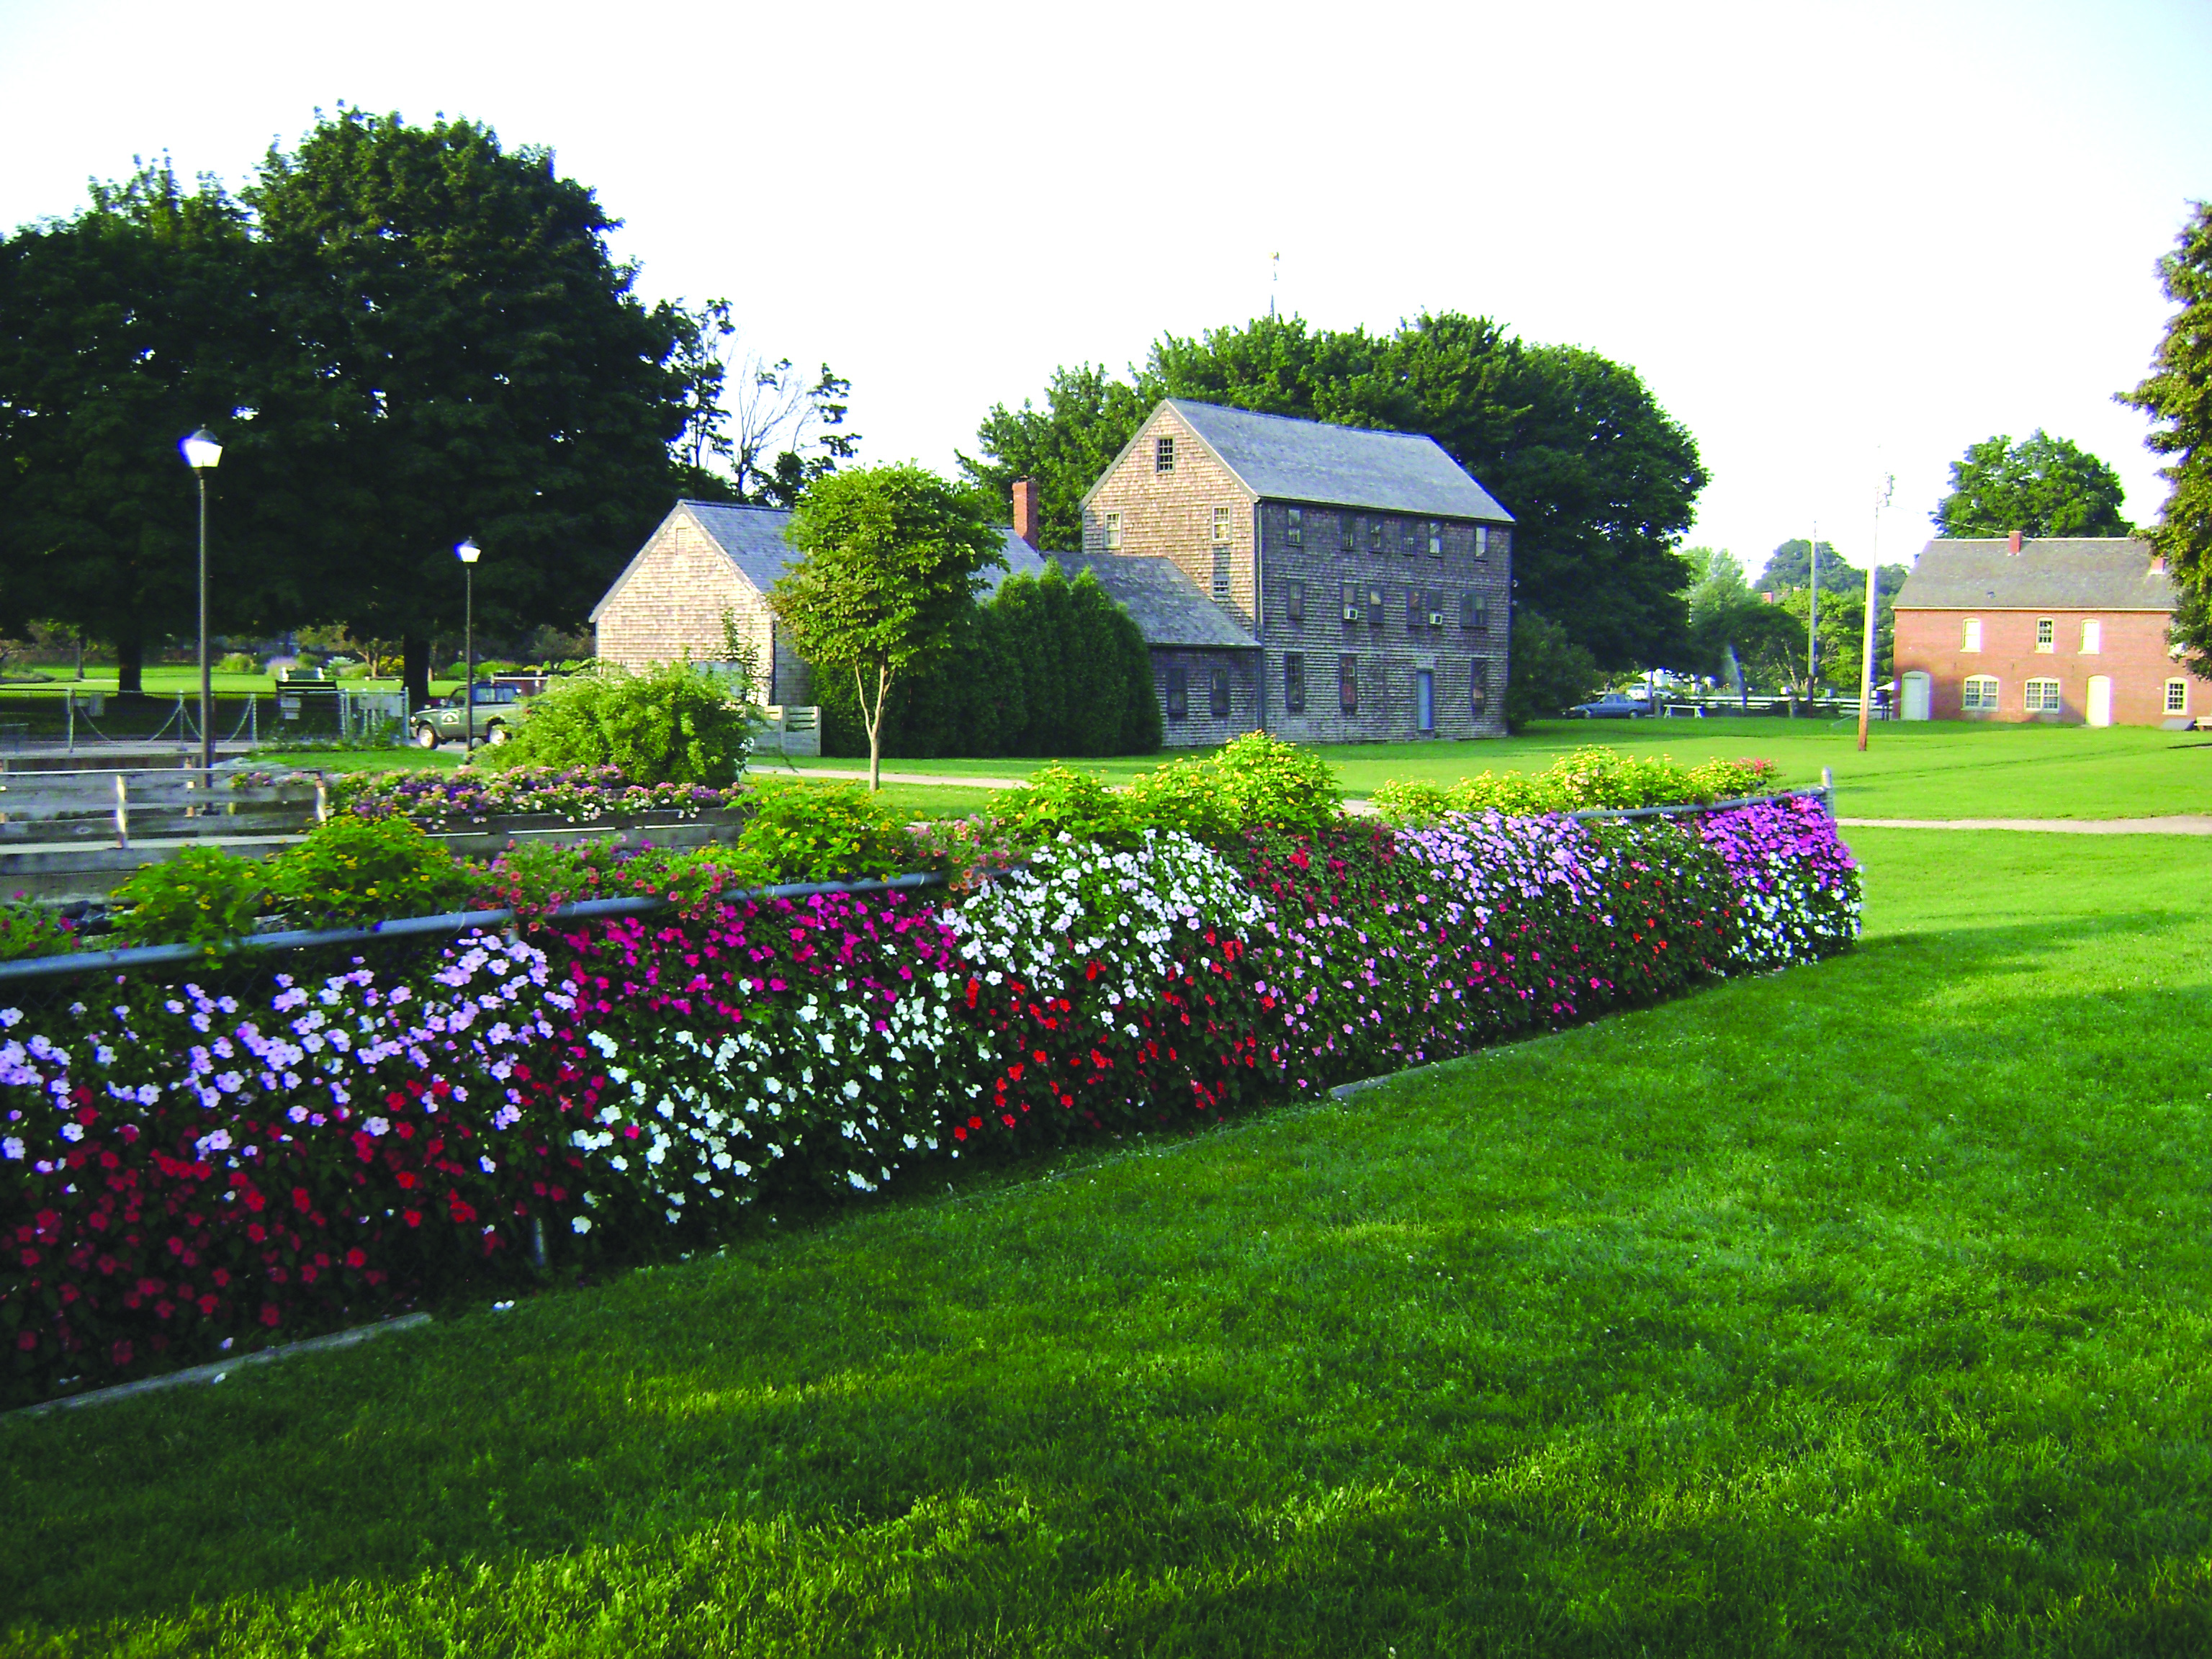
(1970, 635)
(2046, 633)
(1482, 541)
(1164, 453)
(1112, 532)
(2176, 696)
(1978, 693)
(2092, 639)
(1222, 531)
(2042, 696)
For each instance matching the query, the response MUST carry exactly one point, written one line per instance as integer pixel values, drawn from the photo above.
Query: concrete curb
(197, 1374)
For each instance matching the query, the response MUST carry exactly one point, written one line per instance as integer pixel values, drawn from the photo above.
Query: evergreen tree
(2177, 395)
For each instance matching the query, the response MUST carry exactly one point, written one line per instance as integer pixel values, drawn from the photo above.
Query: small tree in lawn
(889, 557)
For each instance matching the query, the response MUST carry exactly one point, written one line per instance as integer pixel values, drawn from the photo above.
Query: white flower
(581, 1224)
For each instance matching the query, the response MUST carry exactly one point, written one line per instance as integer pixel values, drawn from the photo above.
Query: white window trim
(2042, 644)
(1970, 635)
(2092, 638)
(2042, 696)
(2183, 686)
(1112, 532)
(1970, 697)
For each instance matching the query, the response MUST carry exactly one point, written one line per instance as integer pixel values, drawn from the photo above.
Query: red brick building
(2067, 630)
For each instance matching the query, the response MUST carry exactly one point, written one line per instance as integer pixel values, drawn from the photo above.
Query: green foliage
(32, 930)
(1060, 800)
(204, 896)
(1589, 778)
(671, 724)
(1602, 480)
(1184, 795)
(236, 662)
(2177, 395)
(2040, 486)
(1267, 782)
(1548, 671)
(891, 557)
(820, 832)
(351, 871)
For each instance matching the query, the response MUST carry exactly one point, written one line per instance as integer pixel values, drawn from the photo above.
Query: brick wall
(2134, 656)
(1200, 726)
(1170, 514)
(672, 601)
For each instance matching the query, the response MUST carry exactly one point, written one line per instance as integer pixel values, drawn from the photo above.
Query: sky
(1838, 241)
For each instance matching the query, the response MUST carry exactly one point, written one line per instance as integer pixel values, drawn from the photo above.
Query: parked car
(497, 708)
(1611, 707)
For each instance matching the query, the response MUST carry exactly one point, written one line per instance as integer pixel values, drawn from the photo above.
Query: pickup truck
(497, 709)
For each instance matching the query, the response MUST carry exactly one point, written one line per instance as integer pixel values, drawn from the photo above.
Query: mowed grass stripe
(1857, 1309)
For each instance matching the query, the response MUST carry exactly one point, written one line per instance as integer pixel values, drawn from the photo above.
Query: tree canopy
(1601, 481)
(2177, 395)
(2040, 486)
(891, 561)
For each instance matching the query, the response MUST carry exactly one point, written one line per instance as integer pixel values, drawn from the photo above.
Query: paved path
(889, 777)
(2185, 824)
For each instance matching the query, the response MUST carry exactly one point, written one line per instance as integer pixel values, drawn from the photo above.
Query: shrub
(1590, 777)
(820, 832)
(1184, 797)
(33, 930)
(671, 725)
(201, 896)
(350, 871)
(236, 662)
(1795, 884)
(1059, 800)
(1548, 672)
(1267, 782)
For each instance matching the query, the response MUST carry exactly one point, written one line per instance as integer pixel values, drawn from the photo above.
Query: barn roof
(2104, 573)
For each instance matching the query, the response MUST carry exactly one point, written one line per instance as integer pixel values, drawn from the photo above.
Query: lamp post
(202, 454)
(468, 553)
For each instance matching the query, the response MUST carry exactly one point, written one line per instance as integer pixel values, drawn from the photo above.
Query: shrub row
(224, 1162)
(1591, 777)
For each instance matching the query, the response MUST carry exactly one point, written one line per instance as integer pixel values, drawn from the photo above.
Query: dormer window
(2046, 633)
(1163, 454)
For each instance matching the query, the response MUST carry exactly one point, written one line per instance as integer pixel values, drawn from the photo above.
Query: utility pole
(1274, 279)
(1881, 493)
(1813, 618)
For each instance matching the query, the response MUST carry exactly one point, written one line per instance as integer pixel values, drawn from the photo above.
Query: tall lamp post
(202, 454)
(468, 552)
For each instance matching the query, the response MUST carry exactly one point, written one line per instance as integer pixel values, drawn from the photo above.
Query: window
(2043, 696)
(2092, 638)
(1294, 682)
(1220, 571)
(1112, 532)
(1436, 603)
(1351, 602)
(1294, 532)
(1473, 613)
(1178, 693)
(2046, 633)
(1479, 688)
(1294, 602)
(2176, 696)
(1348, 527)
(1435, 540)
(1482, 541)
(1980, 692)
(1220, 525)
(1410, 534)
(1217, 701)
(1375, 607)
(1163, 454)
(1970, 636)
(1374, 535)
(1414, 614)
(1347, 684)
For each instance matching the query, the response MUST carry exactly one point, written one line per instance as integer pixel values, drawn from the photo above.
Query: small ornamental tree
(2177, 395)
(891, 557)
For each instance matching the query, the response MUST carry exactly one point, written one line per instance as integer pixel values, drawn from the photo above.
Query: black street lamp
(468, 553)
(202, 454)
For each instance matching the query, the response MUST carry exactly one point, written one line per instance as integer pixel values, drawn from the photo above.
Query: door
(2100, 700)
(1915, 697)
(1424, 698)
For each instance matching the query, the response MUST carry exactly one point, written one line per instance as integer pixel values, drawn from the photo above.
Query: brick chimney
(2012, 546)
(2158, 564)
(1028, 514)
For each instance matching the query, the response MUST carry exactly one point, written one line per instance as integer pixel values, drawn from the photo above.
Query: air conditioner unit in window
(1352, 613)
(1436, 619)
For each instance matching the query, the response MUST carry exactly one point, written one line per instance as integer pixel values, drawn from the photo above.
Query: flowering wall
(184, 1168)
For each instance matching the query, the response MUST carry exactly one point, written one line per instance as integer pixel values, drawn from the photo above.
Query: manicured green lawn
(1928, 770)
(1861, 1308)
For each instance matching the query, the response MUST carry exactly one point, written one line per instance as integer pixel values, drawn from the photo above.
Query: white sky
(1823, 233)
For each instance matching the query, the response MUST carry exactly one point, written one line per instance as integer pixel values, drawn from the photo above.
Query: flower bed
(576, 794)
(183, 1169)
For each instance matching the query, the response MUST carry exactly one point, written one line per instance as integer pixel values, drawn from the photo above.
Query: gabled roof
(2103, 573)
(1281, 458)
(752, 538)
(1168, 606)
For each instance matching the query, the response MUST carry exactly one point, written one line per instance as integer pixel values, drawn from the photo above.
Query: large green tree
(891, 561)
(2040, 486)
(121, 329)
(1602, 480)
(2177, 395)
(461, 354)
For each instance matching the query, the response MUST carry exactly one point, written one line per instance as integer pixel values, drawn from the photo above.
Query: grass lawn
(1935, 769)
(1861, 1309)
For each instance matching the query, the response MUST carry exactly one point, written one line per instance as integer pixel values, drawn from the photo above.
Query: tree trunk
(129, 664)
(415, 669)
